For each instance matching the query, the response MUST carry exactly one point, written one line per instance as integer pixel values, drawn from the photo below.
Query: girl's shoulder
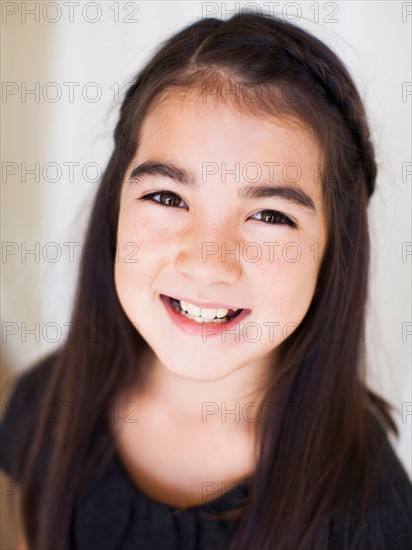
(388, 470)
(22, 411)
(388, 522)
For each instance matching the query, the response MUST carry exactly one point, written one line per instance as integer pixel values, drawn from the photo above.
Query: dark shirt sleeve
(21, 414)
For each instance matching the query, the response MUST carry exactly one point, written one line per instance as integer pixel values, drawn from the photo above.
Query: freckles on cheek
(288, 284)
(143, 233)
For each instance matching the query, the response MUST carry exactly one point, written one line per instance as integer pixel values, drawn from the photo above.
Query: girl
(220, 401)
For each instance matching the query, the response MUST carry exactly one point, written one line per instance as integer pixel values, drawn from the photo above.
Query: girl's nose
(208, 261)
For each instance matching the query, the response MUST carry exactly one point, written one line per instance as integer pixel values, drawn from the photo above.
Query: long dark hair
(318, 443)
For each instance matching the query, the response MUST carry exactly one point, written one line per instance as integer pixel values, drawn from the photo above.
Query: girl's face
(247, 233)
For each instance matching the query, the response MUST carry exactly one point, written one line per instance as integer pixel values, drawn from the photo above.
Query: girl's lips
(201, 329)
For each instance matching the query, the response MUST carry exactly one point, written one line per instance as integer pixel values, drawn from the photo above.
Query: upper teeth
(205, 313)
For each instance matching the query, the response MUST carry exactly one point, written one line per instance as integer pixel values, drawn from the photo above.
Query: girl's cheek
(140, 246)
(292, 255)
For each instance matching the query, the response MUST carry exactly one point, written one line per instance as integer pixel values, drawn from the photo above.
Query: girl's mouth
(177, 306)
(212, 324)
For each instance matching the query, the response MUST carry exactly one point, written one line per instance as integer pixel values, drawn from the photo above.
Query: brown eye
(165, 198)
(274, 217)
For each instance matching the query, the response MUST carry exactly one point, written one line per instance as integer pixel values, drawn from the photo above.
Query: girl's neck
(231, 401)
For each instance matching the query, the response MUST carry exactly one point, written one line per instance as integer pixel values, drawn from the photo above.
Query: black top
(112, 513)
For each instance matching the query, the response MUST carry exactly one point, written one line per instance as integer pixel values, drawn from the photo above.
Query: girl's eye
(274, 217)
(166, 198)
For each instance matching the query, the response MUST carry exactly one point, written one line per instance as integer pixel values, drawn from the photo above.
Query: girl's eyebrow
(185, 177)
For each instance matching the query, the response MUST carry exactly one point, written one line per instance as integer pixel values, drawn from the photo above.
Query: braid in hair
(286, 44)
(341, 91)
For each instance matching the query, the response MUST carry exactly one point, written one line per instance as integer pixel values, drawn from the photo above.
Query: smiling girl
(227, 369)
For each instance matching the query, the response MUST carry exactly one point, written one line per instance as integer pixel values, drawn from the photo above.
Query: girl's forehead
(223, 129)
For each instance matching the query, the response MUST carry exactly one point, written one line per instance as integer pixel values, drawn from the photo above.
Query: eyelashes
(174, 201)
(151, 197)
(281, 219)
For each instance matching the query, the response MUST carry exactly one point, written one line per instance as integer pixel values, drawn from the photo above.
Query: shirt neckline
(225, 501)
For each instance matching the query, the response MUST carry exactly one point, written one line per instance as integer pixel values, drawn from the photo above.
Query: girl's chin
(203, 372)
